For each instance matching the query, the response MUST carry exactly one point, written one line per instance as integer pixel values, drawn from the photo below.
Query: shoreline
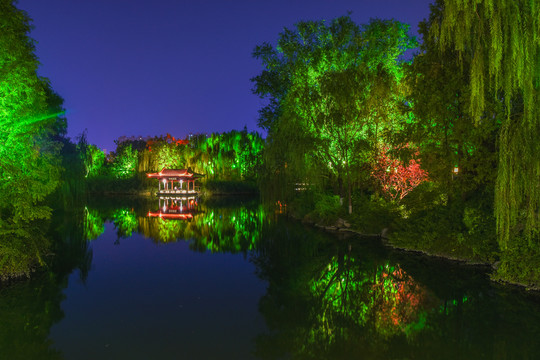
(385, 241)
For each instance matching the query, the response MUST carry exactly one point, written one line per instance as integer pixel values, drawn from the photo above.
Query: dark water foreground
(233, 281)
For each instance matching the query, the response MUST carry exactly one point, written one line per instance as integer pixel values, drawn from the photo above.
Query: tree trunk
(349, 190)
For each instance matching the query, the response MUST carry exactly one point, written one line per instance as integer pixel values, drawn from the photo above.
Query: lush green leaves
(502, 37)
(333, 90)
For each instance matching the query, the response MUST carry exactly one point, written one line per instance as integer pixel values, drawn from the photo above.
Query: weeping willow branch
(502, 37)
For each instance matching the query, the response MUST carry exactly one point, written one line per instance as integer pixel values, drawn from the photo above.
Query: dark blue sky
(148, 67)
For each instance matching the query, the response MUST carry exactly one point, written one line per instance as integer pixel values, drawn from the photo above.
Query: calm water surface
(233, 281)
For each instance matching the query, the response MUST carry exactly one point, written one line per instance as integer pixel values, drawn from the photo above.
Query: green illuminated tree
(125, 162)
(29, 165)
(332, 89)
(92, 157)
(30, 131)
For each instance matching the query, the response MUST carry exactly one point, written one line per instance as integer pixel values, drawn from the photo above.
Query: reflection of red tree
(396, 179)
(398, 301)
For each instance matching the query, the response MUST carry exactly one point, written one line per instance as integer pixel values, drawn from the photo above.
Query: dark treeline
(440, 148)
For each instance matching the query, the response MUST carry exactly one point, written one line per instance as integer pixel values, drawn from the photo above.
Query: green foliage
(448, 137)
(22, 249)
(31, 128)
(29, 163)
(373, 214)
(72, 190)
(326, 209)
(459, 228)
(93, 224)
(519, 264)
(231, 230)
(234, 155)
(28, 311)
(97, 160)
(231, 156)
(303, 203)
(91, 156)
(333, 90)
(314, 206)
(167, 156)
(125, 222)
(502, 39)
(124, 164)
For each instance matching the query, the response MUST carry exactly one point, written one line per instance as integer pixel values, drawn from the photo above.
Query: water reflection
(175, 208)
(326, 297)
(348, 298)
(385, 296)
(28, 308)
(208, 227)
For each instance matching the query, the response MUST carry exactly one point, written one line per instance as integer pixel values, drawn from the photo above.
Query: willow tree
(442, 126)
(328, 87)
(503, 39)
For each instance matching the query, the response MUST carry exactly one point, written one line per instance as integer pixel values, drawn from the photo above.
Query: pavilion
(171, 182)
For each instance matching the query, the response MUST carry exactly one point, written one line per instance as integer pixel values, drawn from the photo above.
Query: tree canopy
(332, 89)
(30, 128)
(29, 167)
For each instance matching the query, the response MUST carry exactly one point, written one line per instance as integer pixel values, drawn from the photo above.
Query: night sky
(148, 67)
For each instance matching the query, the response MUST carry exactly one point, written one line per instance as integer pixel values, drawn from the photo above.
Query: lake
(142, 279)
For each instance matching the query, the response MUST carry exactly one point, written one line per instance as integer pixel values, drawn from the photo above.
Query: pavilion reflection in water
(176, 207)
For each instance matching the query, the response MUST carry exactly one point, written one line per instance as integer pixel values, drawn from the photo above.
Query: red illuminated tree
(396, 178)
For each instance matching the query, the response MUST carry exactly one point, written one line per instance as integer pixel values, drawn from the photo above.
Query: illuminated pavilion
(177, 182)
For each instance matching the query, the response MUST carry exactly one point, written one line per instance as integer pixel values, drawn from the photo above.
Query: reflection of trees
(93, 224)
(125, 222)
(29, 247)
(326, 300)
(216, 230)
(161, 230)
(29, 308)
(384, 296)
(226, 230)
(22, 249)
(71, 247)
